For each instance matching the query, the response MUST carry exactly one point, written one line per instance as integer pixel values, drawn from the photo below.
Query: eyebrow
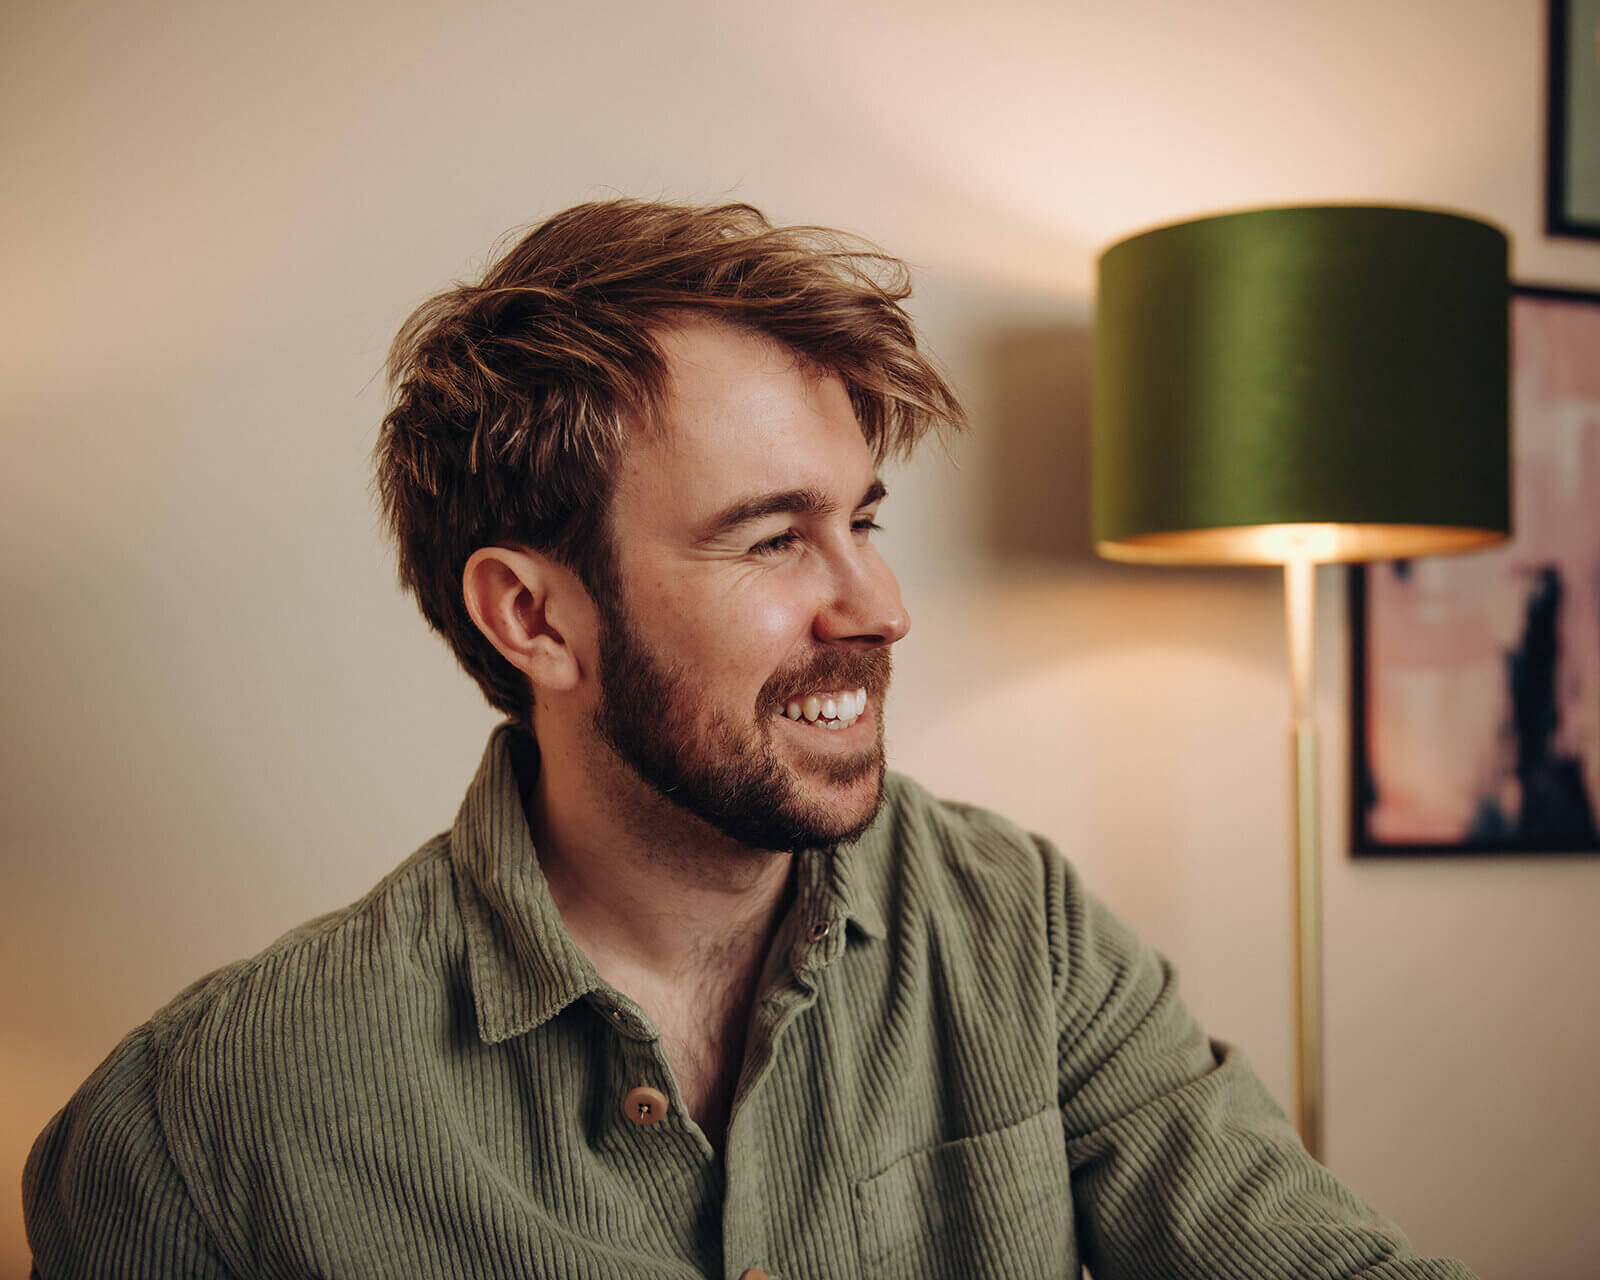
(802, 502)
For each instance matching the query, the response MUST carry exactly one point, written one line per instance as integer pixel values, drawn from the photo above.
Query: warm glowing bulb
(1319, 543)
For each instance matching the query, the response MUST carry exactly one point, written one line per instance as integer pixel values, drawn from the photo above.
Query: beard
(726, 773)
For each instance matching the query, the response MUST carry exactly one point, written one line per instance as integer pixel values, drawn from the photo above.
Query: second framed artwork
(1476, 679)
(1572, 159)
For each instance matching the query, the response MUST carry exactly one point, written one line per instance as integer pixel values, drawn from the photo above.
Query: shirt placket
(646, 1130)
(815, 937)
(642, 1090)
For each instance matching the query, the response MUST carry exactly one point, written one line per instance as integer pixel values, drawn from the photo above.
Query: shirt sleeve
(1182, 1164)
(101, 1195)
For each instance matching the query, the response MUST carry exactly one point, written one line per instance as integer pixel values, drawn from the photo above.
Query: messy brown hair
(513, 397)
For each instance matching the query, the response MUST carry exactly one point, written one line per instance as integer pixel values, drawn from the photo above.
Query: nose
(865, 610)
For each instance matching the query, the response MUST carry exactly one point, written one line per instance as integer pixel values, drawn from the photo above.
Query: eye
(778, 542)
(866, 524)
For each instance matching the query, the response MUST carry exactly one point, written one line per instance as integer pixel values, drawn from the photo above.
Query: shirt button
(754, 1273)
(645, 1105)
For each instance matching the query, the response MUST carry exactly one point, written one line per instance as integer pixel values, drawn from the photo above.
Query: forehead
(740, 414)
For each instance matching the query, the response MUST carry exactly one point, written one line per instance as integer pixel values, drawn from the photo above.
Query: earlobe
(517, 598)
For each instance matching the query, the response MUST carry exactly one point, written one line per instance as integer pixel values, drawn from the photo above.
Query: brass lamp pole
(1300, 386)
(1299, 595)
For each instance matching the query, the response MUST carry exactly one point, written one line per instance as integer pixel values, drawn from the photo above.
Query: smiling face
(746, 630)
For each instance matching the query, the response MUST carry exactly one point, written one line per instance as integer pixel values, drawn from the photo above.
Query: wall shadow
(1036, 434)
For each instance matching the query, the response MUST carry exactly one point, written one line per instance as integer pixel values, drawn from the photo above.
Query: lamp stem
(1299, 580)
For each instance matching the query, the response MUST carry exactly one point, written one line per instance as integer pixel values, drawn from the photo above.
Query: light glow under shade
(1321, 543)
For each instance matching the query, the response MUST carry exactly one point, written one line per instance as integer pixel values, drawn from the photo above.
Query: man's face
(749, 611)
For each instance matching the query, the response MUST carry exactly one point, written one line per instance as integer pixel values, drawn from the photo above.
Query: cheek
(778, 624)
(746, 639)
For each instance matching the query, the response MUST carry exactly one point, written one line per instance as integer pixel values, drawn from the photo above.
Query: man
(691, 987)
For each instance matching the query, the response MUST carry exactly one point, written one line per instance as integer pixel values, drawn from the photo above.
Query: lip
(802, 694)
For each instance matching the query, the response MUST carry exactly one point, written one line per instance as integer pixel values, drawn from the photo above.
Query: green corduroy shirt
(962, 1066)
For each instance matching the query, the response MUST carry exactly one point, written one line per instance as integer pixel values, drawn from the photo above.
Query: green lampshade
(1326, 383)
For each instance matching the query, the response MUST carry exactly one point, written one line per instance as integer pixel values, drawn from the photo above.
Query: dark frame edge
(1556, 221)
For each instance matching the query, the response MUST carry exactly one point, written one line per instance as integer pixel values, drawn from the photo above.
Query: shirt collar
(848, 881)
(523, 964)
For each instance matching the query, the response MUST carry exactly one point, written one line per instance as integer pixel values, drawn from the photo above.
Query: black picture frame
(1533, 674)
(1568, 212)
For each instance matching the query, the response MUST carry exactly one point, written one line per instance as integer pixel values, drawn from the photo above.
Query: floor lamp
(1299, 386)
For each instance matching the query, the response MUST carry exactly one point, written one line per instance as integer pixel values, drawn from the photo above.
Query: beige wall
(219, 717)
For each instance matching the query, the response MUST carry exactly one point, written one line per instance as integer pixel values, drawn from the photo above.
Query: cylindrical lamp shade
(1326, 383)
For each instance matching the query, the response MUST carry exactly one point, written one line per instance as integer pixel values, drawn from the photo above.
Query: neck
(643, 886)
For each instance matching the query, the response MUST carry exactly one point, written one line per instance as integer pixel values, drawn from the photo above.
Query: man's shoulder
(300, 1006)
(925, 827)
(407, 925)
(958, 859)
(252, 1061)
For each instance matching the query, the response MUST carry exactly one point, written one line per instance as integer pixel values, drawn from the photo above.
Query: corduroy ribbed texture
(974, 1071)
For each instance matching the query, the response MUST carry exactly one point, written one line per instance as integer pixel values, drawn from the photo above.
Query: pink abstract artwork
(1482, 672)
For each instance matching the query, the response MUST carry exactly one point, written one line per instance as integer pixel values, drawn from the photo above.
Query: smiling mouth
(829, 710)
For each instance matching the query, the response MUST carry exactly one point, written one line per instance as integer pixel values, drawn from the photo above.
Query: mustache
(830, 669)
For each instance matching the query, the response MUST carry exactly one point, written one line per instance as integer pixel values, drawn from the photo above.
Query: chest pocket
(995, 1205)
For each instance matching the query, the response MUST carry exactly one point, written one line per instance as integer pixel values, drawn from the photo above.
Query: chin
(840, 812)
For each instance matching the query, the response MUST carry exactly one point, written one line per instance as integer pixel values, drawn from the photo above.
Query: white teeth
(838, 711)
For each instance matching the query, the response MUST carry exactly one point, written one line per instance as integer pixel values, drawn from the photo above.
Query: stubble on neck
(653, 881)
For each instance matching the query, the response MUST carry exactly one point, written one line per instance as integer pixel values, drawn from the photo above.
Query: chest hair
(704, 1022)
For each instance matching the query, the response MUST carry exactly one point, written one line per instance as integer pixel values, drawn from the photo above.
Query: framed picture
(1572, 198)
(1476, 678)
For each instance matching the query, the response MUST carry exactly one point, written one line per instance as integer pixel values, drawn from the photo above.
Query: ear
(534, 610)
